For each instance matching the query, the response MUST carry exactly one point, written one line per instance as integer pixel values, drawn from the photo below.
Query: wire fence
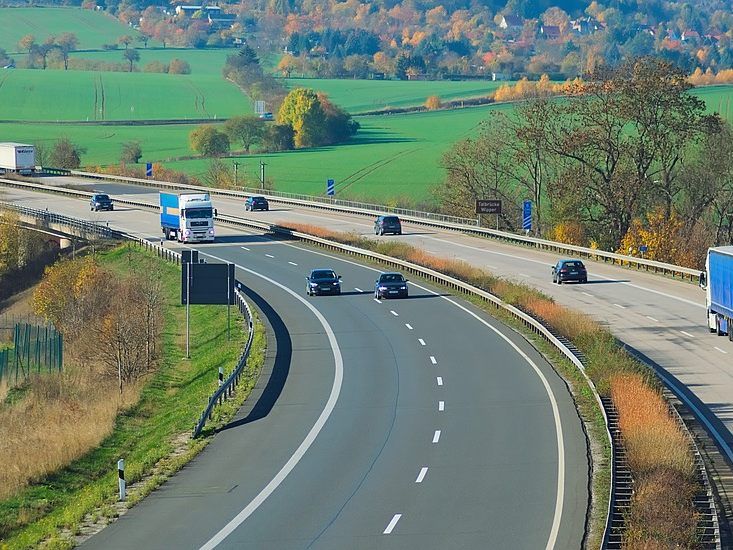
(31, 349)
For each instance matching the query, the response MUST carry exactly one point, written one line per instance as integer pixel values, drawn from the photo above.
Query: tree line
(627, 157)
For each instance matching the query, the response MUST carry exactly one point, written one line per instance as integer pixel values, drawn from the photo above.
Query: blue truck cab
(187, 217)
(718, 284)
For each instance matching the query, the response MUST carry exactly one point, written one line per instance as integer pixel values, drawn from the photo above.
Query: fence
(35, 349)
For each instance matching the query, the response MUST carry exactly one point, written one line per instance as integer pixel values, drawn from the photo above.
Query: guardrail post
(121, 478)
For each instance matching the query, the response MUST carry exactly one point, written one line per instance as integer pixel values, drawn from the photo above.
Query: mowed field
(92, 28)
(357, 96)
(30, 94)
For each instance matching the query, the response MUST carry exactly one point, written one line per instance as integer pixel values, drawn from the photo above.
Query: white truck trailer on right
(718, 284)
(17, 157)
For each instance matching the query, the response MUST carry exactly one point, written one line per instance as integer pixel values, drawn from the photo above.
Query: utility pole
(262, 174)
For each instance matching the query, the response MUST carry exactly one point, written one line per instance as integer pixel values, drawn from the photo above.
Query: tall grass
(662, 513)
(60, 417)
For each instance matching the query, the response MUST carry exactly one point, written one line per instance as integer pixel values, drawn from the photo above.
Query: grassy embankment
(662, 514)
(86, 417)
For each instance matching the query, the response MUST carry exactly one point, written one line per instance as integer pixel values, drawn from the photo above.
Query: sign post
(643, 248)
(527, 216)
(330, 188)
(488, 206)
(149, 169)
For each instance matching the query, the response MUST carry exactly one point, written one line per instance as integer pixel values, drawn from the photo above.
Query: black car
(390, 285)
(322, 281)
(101, 202)
(569, 270)
(256, 203)
(387, 224)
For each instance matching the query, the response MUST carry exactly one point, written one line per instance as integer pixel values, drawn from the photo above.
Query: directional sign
(207, 283)
(489, 206)
(149, 169)
(527, 216)
(643, 248)
(330, 188)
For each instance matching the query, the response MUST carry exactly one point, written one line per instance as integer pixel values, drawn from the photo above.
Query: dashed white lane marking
(393, 312)
(421, 475)
(652, 318)
(436, 435)
(269, 255)
(409, 326)
(620, 306)
(721, 350)
(292, 263)
(587, 293)
(392, 524)
(245, 248)
(358, 289)
(432, 360)
(441, 405)
(525, 275)
(422, 342)
(440, 380)
(687, 334)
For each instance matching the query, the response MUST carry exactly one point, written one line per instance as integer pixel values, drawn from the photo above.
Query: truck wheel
(718, 331)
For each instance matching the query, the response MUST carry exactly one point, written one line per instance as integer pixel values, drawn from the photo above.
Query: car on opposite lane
(256, 203)
(100, 201)
(322, 281)
(390, 285)
(387, 224)
(569, 270)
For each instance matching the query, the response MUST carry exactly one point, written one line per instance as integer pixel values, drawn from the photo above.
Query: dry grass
(652, 437)
(58, 419)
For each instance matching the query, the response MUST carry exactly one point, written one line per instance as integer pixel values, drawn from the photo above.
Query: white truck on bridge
(17, 157)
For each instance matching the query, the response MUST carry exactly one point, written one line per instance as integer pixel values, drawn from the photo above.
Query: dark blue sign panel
(207, 283)
(330, 188)
(527, 216)
(149, 169)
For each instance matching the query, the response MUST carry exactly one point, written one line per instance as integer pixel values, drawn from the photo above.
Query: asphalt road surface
(417, 423)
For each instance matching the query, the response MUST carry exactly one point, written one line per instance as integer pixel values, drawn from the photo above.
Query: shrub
(179, 66)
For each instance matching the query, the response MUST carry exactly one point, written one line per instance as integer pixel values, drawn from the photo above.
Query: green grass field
(367, 95)
(203, 62)
(718, 99)
(27, 94)
(92, 28)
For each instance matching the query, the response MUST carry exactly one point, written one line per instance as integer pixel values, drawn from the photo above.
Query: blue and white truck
(187, 217)
(717, 280)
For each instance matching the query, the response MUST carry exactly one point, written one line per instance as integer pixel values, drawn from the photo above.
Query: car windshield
(193, 213)
(102, 197)
(391, 278)
(391, 219)
(325, 274)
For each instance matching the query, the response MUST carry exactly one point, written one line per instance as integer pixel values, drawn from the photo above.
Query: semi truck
(17, 157)
(717, 280)
(187, 217)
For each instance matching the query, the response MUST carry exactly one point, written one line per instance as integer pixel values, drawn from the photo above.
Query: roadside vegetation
(660, 457)
(58, 460)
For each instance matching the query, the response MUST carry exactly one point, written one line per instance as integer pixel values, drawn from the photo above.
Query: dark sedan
(100, 201)
(387, 224)
(322, 281)
(569, 270)
(256, 203)
(390, 285)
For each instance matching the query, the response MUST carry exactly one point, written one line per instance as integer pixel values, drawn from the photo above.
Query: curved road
(418, 423)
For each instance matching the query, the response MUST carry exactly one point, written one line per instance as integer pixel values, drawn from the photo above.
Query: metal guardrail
(465, 225)
(563, 345)
(226, 389)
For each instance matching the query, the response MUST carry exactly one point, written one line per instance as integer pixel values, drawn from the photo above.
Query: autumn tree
(66, 43)
(66, 154)
(247, 130)
(208, 141)
(131, 55)
(179, 66)
(125, 40)
(132, 152)
(278, 137)
(302, 111)
(27, 43)
(432, 103)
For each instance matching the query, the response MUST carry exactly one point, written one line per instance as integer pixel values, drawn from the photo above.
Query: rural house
(511, 22)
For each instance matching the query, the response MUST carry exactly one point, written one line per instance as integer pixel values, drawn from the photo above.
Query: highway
(417, 423)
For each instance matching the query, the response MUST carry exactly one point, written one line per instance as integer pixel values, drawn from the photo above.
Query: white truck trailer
(17, 157)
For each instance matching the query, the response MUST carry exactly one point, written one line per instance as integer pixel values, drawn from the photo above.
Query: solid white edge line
(422, 342)
(409, 326)
(392, 524)
(620, 306)
(379, 302)
(292, 263)
(441, 405)
(586, 293)
(269, 255)
(244, 248)
(436, 435)
(393, 312)
(687, 334)
(721, 350)
(560, 494)
(421, 475)
(358, 289)
(440, 380)
(309, 438)
(433, 360)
